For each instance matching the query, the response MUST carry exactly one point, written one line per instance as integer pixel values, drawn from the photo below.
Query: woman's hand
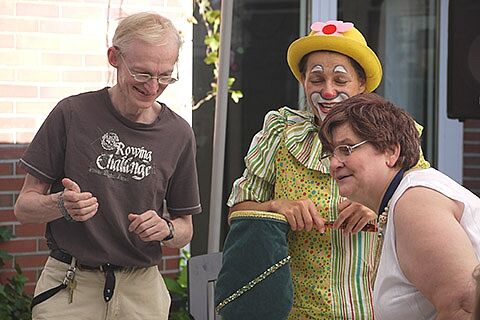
(353, 216)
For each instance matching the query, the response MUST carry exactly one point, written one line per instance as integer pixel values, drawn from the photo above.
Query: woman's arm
(434, 251)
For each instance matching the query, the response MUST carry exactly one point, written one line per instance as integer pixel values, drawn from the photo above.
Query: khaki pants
(139, 294)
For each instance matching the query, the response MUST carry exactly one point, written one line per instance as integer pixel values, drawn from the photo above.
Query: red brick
(29, 288)
(471, 136)
(6, 169)
(30, 274)
(42, 245)
(471, 148)
(9, 227)
(171, 264)
(16, 246)
(30, 230)
(170, 251)
(6, 200)
(10, 184)
(169, 273)
(471, 160)
(471, 184)
(7, 216)
(19, 170)
(31, 260)
(12, 151)
(9, 264)
(37, 10)
(471, 172)
(471, 123)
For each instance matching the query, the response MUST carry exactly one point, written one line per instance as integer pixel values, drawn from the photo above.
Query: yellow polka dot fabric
(330, 272)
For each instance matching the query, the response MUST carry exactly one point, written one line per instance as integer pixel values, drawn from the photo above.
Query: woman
(430, 225)
(331, 268)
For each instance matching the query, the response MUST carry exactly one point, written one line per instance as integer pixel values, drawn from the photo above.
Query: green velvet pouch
(255, 281)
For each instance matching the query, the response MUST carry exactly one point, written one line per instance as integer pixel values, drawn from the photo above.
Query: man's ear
(392, 154)
(112, 54)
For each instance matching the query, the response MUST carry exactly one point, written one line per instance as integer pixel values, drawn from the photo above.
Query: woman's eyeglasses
(343, 151)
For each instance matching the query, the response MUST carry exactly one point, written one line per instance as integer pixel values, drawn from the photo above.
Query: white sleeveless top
(396, 298)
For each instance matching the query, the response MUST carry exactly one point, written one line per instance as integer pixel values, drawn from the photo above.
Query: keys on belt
(107, 268)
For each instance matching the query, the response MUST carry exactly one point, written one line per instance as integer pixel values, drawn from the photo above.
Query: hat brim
(359, 52)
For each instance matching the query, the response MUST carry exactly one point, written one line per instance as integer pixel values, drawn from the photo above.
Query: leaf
(236, 95)
(212, 16)
(211, 58)
(4, 256)
(5, 234)
(230, 81)
(212, 42)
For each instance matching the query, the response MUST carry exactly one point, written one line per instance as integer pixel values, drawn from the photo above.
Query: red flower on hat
(331, 28)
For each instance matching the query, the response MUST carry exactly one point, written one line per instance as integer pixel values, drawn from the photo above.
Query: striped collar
(301, 139)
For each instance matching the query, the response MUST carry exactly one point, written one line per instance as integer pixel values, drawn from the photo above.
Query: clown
(331, 263)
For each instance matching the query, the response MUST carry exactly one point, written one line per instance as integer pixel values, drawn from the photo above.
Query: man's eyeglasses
(342, 152)
(145, 77)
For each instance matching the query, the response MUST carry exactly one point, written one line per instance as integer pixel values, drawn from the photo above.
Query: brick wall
(471, 155)
(49, 50)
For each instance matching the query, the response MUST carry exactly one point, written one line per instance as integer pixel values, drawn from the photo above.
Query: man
(101, 171)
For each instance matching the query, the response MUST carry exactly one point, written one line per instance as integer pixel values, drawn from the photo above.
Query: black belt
(107, 268)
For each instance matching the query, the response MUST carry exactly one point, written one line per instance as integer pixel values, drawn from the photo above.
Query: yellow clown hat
(341, 37)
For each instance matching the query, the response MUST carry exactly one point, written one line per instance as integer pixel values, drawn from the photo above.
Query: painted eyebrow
(317, 67)
(340, 69)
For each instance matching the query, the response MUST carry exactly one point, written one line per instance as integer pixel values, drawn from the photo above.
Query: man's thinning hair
(150, 27)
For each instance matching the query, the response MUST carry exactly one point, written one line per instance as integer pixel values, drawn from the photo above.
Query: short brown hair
(377, 120)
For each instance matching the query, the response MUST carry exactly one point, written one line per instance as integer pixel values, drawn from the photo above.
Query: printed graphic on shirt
(122, 161)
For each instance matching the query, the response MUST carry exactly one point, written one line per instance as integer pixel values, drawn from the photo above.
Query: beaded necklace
(383, 216)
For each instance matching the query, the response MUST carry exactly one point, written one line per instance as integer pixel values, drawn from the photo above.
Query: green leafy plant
(178, 289)
(211, 20)
(14, 302)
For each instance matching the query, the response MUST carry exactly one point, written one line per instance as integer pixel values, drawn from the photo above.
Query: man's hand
(81, 206)
(149, 226)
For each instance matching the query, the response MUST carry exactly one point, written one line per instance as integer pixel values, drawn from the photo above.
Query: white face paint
(323, 106)
(317, 68)
(340, 69)
(329, 78)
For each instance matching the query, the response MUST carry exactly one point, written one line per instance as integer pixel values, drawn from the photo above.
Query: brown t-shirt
(130, 167)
